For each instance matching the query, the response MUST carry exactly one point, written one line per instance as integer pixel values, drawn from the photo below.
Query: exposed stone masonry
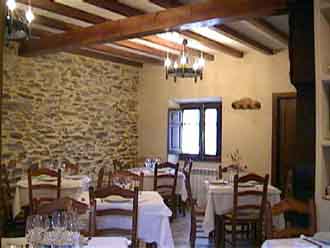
(68, 107)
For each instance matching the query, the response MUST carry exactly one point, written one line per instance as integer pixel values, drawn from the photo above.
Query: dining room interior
(165, 123)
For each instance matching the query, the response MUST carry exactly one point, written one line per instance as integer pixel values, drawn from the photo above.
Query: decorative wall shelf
(326, 143)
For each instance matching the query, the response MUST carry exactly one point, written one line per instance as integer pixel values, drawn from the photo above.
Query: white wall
(256, 76)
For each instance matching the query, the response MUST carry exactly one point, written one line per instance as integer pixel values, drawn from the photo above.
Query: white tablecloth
(69, 187)
(288, 243)
(153, 218)
(97, 242)
(219, 200)
(148, 182)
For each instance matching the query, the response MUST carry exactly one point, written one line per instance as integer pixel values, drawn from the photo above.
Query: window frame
(202, 107)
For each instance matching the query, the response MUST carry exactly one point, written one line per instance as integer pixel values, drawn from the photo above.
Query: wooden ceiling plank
(213, 44)
(92, 52)
(208, 13)
(243, 39)
(117, 7)
(61, 9)
(270, 30)
(167, 3)
(204, 41)
(127, 54)
(125, 10)
(178, 47)
(64, 27)
(97, 55)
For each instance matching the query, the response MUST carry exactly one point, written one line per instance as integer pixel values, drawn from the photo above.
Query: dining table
(95, 242)
(71, 186)
(153, 217)
(293, 243)
(148, 180)
(219, 201)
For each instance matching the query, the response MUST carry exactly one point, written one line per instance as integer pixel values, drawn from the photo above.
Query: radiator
(197, 179)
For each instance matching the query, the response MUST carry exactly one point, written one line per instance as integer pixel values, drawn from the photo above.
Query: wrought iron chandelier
(185, 66)
(17, 24)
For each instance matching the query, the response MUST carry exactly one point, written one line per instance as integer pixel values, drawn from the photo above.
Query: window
(194, 131)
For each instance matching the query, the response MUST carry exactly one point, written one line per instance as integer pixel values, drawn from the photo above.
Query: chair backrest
(72, 168)
(220, 170)
(63, 204)
(239, 195)
(168, 180)
(187, 166)
(100, 178)
(116, 165)
(35, 202)
(290, 205)
(99, 194)
(136, 180)
(5, 194)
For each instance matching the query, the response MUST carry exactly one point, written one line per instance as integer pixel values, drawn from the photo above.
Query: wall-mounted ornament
(246, 103)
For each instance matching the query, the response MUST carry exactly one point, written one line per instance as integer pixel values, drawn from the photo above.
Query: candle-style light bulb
(176, 65)
(11, 4)
(29, 15)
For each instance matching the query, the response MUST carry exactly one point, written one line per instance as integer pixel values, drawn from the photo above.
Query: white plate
(218, 182)
(246, 185)
(74, 177)
(47, 179)
(323, 237)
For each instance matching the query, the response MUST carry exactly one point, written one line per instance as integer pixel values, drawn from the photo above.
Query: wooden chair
(290, 205)
(197, 214)
(5, 194)
(187, 167)
(165, 184)
(127, 176)
(9, 225)
(133, 213)
(100, 178)
(117, 166)
(36, 202)
(63, 204)
(220, 171)
(246, 215)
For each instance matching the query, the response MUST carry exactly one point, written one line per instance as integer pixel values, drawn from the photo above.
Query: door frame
(275, 118)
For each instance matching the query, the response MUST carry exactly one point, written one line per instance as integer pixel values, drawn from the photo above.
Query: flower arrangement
(236, 159)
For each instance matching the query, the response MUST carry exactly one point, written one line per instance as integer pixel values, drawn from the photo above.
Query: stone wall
(68, 107)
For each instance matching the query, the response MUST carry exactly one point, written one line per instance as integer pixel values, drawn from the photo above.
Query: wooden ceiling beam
(125, 10)
(243, 39)
(52, 23)
(143, 48)
(101, 52)
(208, 14)
(167, 3)
(201, 39)
(117, 7)
(223, 29)
(178, 47)
(270, 30)
(92, 53)
(114, 50)
(64, 10)
(213, 44)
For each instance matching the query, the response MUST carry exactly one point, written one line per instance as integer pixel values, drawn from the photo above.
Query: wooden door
(284, 138)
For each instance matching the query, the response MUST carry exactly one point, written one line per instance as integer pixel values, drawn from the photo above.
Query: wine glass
(73, 228)
(29, 230)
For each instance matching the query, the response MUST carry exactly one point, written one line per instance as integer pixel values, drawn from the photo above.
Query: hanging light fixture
(17, 24)
(183, 66)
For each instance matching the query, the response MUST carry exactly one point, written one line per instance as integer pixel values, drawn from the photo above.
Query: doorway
(283, 139)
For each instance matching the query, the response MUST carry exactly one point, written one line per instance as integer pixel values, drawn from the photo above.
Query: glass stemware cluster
(59, 229)
(151, 162)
